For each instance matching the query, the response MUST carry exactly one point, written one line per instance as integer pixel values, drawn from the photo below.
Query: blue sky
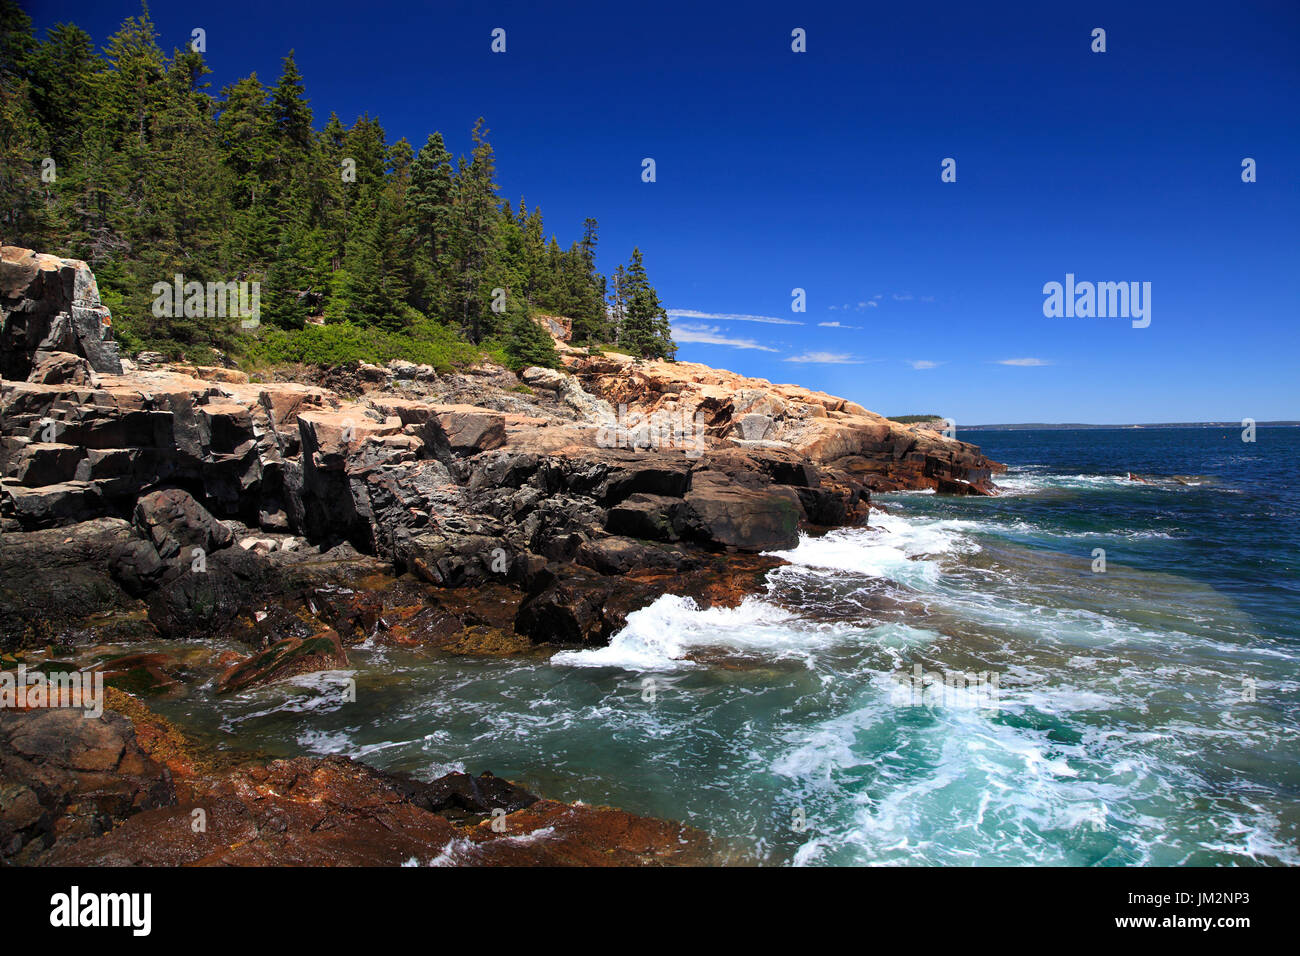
(821, 171)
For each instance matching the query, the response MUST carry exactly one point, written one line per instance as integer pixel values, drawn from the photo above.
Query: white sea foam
(895, 548)
(1025, 482)
(662, 635)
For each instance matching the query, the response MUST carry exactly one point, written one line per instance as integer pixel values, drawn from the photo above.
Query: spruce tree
(646, 332)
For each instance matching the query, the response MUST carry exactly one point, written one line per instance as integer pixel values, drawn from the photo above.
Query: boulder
(654, 517)
(51, 305)
(724, 513)
(460, 794)
(471, 430)
(60, 368)
(65, 777)
(753, 427)
(53, 580)
(286, 658)
(176, 524)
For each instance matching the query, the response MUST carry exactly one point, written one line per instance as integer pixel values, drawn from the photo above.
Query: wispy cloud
(729, 317)
(924, 364)
(905, 297)
(837, 325)
(825, 358)
(1024, 362)
(712, 335)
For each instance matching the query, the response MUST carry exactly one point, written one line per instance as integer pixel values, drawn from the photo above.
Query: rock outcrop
(67, 777)
(457, 494)
(50, 309)
(562, 488)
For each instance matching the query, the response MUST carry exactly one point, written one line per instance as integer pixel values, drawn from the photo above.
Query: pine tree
(646, 331)
(528, 344)
(153, 177)
(476, 211)
(23, 140)
(432, 213)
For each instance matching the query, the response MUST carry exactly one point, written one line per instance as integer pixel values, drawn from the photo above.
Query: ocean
(1085, 670)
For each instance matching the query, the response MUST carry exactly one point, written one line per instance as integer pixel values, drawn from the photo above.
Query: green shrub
(524, 344)
(426, 343)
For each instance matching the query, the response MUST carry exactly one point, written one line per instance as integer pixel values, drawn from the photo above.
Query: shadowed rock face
(513, 491)
(49, 306)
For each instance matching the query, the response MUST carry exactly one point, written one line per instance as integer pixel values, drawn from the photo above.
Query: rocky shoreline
(474, 512)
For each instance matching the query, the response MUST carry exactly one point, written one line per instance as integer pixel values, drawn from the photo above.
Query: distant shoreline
(1076, 426)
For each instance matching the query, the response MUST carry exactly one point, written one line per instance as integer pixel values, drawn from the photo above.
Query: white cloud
(905, 297)
(825, 358)
(836, 325)
(712, 335)
(1024, 362)
(728, 317)
(924, 364)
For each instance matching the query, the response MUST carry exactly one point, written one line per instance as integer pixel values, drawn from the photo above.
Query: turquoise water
(1144, 714)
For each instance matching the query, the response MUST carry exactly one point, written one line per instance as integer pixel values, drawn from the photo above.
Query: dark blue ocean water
(962, 683)
(1235, 527)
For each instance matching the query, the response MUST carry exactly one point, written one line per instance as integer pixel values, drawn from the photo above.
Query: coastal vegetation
(363, 248)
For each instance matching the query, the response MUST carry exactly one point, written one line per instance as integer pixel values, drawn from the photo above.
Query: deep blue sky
(821, 170)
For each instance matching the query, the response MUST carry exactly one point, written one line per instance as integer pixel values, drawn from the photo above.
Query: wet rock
(457, 795)
(337, 812)
(69, 777)
(199, 594)
(619, 555)
(451, 559)
(53, 581)
(286, 658)
(568, 609)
